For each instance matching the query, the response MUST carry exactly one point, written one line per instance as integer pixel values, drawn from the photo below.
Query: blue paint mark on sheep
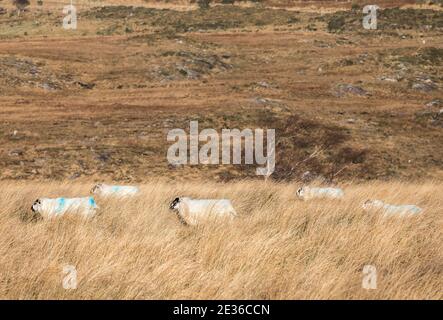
(60, 205)
(92, 202)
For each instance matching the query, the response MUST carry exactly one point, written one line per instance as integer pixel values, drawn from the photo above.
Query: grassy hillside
(97, 102)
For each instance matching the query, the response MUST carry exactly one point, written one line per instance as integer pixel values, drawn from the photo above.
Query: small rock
(85, 85)
(75, 176)
(104, 157)
(34, 71)
(424, 86)
(434, 103)
(264, 84)
(321, 44)
(16, 153)
(48, 87)
(307, 176)
(384, 78)
(343, 89)
(424, 83)
(266, 101)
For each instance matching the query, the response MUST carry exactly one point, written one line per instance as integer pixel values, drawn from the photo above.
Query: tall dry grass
(278, 248)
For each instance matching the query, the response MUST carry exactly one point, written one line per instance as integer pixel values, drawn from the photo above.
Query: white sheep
(307, 193)
(49, 208)
(389, 209)
(104, 190)
(191, 211)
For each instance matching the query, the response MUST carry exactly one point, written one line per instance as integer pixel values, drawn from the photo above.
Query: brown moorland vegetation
(97, 102)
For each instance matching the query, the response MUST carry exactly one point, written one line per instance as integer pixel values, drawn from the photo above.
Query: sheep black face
(370, 204)
(96, 188)
(174, 204)
(36, 206)
(300, 192)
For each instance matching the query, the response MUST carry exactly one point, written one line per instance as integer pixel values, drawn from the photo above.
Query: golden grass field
(278, 248)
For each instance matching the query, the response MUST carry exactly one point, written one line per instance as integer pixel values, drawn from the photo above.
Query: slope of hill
(97, 102)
